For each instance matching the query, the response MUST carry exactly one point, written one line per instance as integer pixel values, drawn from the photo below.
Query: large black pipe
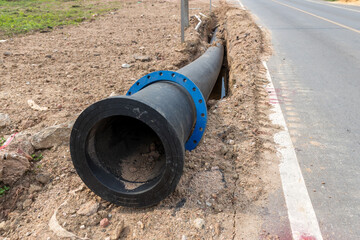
(130, 150)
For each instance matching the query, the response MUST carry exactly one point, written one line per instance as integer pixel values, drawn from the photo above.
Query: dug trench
(227, 179)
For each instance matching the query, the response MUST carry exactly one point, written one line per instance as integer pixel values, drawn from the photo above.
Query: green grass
(22, 16)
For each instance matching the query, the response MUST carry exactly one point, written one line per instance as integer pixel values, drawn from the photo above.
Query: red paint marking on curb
(8, 141)
(279, 101)
(279, 95)
(307, 237)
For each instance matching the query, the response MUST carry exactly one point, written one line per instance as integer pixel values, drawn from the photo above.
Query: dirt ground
(349, 2)
(226, 179)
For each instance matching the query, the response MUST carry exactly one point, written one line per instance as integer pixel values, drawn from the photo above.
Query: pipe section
(130, 150)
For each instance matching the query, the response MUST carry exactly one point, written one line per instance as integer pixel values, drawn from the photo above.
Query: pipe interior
(127, 150)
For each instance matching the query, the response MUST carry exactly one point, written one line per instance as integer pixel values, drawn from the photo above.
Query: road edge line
(301, 214)
(241, 5)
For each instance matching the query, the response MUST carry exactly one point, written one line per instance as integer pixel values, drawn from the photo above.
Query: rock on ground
(115, 234)
(4, 120)
(199, 223)
(27, 203)
(21, 142)
(12, 167)
(43, 178)
(34, 188)
(104, 222)
(7, 54)
(2, 226)
(88, 208)
(52, 136)
(142, 58)
(125, 65)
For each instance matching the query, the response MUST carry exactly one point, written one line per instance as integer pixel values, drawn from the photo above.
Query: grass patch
(22, 16)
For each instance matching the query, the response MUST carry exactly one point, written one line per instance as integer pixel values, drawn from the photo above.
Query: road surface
(315, 68)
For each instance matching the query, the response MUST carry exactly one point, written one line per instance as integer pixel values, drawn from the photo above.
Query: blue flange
(194, 91)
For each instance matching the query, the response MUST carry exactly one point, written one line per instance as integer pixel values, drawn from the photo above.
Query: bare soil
(227, 178)
(349, 2)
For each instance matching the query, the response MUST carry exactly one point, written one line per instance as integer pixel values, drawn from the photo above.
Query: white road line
(241, 5)
(301, 214)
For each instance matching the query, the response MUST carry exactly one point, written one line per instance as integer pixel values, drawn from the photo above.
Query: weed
(2, 141)
(3, 190)
(37, 158)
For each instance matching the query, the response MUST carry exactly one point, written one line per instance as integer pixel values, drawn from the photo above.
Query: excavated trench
(220, 89)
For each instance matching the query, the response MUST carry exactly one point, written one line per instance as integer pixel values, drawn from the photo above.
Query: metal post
(186, 13)
(210, 6)
(184, 18)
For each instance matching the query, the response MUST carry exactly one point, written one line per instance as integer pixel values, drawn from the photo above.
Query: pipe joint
(195, 93)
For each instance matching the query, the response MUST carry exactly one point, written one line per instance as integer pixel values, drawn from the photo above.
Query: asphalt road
(315, 68)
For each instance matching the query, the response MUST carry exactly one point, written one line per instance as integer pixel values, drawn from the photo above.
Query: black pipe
(130, 150)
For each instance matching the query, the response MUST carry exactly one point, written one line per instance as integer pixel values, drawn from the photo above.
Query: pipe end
(126, 152)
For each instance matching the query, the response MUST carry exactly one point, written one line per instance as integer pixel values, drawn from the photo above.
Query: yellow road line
(322, 18)
(331, 5)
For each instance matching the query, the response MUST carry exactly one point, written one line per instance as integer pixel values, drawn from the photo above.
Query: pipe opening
(126, 153)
